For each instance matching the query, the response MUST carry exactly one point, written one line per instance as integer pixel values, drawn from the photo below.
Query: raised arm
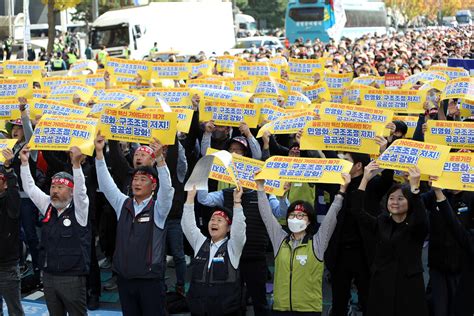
(106, 184)
(81, 200)
(253, 143)
(237, 230)
(188, 223)
(322, 237)
(210, 199)
(357, 199)
(27, 127)
(13, 194)
(38, 197)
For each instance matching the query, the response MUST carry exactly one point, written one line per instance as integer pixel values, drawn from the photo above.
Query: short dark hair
(406, 191)
(401, 127)
(364, 159)
(146, 169)
(309, 210)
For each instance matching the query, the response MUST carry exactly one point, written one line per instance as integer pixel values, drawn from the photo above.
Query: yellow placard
(54, 132)
(410, 121)
(342, 136)
(271, 112)
(138, 126)
(351, 94)
(22, 68)
(305, 68)
(207, 84)
(297, 100)
(375, 81)
(54, 82)
(267, 99)
(99, 107)
(452, 72)
(47, 106)
(336, 95)
(173, 96)
(176, 71)
(466, 108)
(312, 170)
(128, 67)
(226, 63)
(185, 117)
(40, 93)
(221, 95)
(4, 144)
(14, 88)
(288, 124)
(120, 96)
(9, 109)
(338, 81)
(296, 86)
(460, 88)
(353, 113)
(317, 93)
(458, 173)
(245, 169)
(97, 81)
(230, 113)
(404, 154)
(68, 92)
(451, 133)
(243, 84)
(426, 76)
(399, 101)
(203, 68)
(272, 86)
(79, 66)
(257, 70)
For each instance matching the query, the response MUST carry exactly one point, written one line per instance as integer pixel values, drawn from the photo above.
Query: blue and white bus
(310, 19)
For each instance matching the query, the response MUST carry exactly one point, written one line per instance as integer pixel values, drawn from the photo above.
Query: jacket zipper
(291, 276)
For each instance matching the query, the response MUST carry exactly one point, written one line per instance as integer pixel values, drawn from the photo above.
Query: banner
(14, 88)
(305, 68)
(221, 95)
(40, 93)
(120, 96)
(351, 94)
(460, 88)
(177, 97)
(335, 112)
(230, 113)
(466, 108)
(226, 63)
(270, 112)
(458, 173)
(185, 117)
(203, 68)
(245, 170)
(289, 124)
(308, 170)
(297, 100)
(336, 95)
(426, 76)
(410, 121)
(83, 66)
(256, 70)
(97, 81)
(404, 154)
(243, 84)
(317, 93)
(128, 67)
(400, 101)
(394, 81)
(67, 92)
(342, 136)
(54, 82)
(176, 71)
(452, 72)
(272, 86)
(138, 126)
(8, 143)
(451, 133)
(338, 81)
(379, 82)
(9, 109)
(467, 64)
(266, 99)
(63, 132)
(99, 107)
(207, 84)
(21, 68)
(47, 106)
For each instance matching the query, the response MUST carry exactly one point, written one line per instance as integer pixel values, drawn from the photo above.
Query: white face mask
(297, 225)
(426, 62)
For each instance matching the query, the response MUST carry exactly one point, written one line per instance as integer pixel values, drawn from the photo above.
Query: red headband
(149, 176)
(300, 208)
(2, 177)
(146, 149)
(63, 181)
(224, 215)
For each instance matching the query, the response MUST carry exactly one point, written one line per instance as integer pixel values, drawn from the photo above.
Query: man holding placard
(140, 249)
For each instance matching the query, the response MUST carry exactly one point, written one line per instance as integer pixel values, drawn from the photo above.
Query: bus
(311, 19)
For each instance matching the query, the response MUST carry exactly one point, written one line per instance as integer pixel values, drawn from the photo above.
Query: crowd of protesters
(368, 233)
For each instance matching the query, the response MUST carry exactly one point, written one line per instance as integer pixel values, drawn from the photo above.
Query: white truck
(464, 17)
(185, 27)
(245, 24)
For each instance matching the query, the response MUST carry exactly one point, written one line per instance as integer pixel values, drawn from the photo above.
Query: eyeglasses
(297, 215)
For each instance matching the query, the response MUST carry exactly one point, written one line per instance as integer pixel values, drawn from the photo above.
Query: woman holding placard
(396, 285)
(299, 253)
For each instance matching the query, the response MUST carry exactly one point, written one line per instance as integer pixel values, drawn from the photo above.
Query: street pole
(26, 29)
(95, 9)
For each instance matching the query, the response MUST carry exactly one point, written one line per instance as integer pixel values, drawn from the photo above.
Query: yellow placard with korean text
(9, 109)
(230, 113)
(336, 112)
(180, 97)
(312, 170)
(268, 99)
(403, 154)
(54, 82)
(47, 106)
(208, 84)
(372, 81)
(68, 91)
(54, 132)
(221, 95)
(184, 117)
(411, 122)
(452, 133)
(466, 108)
(305, 68)
(272, 86)
(243, 84)
(317, 93)
(21, 69)
(296, 100)
(288, 124)
(120, 96)
(40, 93)
(338, 81)
(452, 72)
(460, 88)
(458, 173)
(203, 68)
(399, 101)
(128, 67)
(245, 169)
(4, 144)
(342, 136)
(336, 95)
(257, 70)
(138, 126)
(226, 63)
(97, 81)
(270, 112)
(351, 94)
(14, 88)
(166, 70)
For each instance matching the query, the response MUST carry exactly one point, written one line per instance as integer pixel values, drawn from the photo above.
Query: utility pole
(95, 9)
